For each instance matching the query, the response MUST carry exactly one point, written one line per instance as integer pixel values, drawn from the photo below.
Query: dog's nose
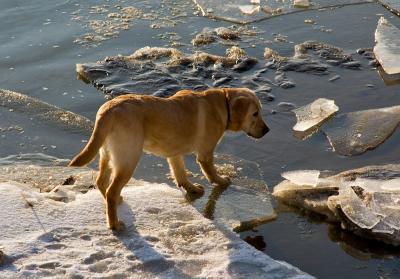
(265, 129)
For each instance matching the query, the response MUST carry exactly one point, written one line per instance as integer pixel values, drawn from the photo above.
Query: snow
(165, 238)
(387, 48)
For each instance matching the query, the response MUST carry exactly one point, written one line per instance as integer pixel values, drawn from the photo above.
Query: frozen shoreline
(165, 237)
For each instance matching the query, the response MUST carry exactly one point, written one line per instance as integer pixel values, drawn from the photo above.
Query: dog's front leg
(177, 166)
(206, 161)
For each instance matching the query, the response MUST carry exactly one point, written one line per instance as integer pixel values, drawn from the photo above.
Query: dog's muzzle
(260, 134)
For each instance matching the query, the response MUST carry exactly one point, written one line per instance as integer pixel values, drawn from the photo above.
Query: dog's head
(244, 112)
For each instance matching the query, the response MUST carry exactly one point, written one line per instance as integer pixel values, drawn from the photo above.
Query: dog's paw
(223, 181)
(117, 226)
(194, 189)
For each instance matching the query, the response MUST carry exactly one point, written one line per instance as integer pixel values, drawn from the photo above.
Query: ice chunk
(314, 114)
(354, 208)
(356, 132)
(383, 227)
(391, 185)
(249, 9)
(393, 220)
(387, 48)
(356, 198)
(301, 3)
(302, 177)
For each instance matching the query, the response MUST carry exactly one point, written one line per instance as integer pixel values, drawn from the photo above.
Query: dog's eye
(255, 114)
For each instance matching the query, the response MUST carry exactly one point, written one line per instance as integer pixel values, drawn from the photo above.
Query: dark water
(38, 57)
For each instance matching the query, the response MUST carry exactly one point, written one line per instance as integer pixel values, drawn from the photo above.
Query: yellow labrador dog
(187, 122)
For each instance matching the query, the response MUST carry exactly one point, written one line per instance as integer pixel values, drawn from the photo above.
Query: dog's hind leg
(103, 178)
(177, 166)
(123, 161)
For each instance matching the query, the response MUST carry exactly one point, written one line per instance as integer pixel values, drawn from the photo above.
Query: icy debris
(227, 33)
(307, 58)
(105, 26)
(208, 35)
(205, 37)
(167, 69)
(387, 48)
(301, 3)
(356, 132)
(165, 236)
(365, 201)
(302, 177)
(230, 10)
(314, 114)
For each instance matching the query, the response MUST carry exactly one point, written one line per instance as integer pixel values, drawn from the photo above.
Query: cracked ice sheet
(165, 237)
(391, 5)
(387, 48)
(356, 132)
(314, 114)
(229, 10)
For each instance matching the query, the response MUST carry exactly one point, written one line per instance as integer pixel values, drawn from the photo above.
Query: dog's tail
(96, 140)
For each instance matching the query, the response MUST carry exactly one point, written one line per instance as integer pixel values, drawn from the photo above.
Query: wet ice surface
(314, 114)
(365, 201)
(356, 132)
(242, 11)
(387, 48)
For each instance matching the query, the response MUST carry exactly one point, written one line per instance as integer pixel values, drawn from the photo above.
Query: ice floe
(17, 102)
(356, 132)
(387, 48)
(365, 201)
(165, 237)
(314, 114)
(391, 5)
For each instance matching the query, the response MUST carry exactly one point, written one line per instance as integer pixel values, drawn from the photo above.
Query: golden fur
(188, 122)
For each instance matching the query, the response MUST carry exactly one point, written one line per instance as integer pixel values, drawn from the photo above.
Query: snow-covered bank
(165, 237)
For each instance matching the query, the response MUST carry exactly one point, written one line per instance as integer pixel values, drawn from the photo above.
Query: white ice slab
(302, 177)
(387, 48)
(314, 114)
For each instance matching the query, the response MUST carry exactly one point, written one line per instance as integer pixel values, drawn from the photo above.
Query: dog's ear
(238, 108)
